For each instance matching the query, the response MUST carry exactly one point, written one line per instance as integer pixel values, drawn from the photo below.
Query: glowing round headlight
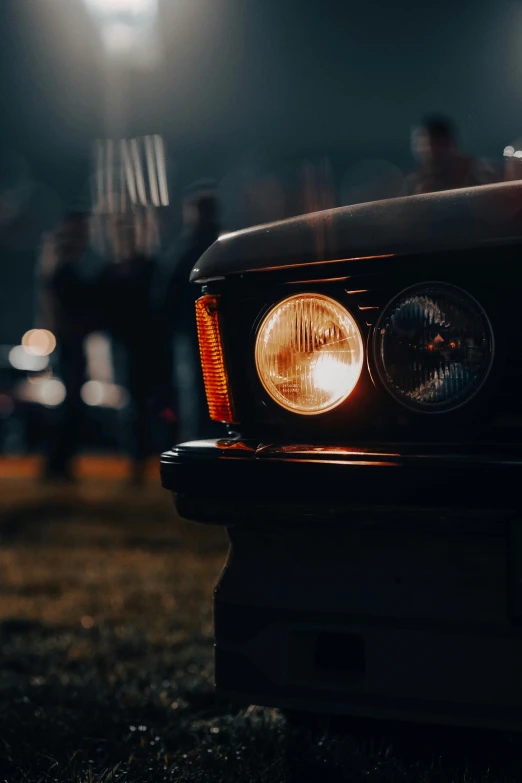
(433, 347)
(309, 353)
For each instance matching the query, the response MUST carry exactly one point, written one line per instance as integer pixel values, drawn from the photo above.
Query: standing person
(127, 285)
(67, 303)
(441, 163)
(201, 228)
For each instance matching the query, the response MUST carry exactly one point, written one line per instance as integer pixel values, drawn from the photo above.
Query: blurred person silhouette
(126, 290)
(67, 306)
(441, 163)
(201, 228)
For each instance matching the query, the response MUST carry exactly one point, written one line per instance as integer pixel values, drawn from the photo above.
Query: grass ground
(106, 660)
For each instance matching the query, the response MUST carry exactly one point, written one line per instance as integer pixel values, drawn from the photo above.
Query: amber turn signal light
(212, 362)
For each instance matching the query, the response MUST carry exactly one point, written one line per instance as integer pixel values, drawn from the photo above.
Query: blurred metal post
(129, 174)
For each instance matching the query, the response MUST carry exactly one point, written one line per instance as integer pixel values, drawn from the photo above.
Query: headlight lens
(433, 347)
(309, 353)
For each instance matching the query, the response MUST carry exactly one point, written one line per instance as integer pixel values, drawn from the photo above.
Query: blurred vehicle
(370, 480)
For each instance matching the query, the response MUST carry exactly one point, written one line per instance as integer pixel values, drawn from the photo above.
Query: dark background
(243, 87)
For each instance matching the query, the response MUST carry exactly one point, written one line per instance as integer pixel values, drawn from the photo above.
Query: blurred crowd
(107, 274)
(112, 274)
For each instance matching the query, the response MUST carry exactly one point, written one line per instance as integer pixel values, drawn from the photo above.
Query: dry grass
(106, 660)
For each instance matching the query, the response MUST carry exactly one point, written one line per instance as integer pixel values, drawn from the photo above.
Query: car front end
(367, 364)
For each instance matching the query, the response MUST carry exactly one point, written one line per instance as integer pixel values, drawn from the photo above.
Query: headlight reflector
(433, 347)
(309, 353)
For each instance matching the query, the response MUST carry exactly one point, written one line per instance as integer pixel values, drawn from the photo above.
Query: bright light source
(98, 394)
(118, 38)
(128, 29)
(330, 376)
(309, 353)
(49, 392)
(39, 342)
(20, 359)
(509, 151)
(518, 154)
(112, 8)
(99, 358)
(92, 393)
(52, 392)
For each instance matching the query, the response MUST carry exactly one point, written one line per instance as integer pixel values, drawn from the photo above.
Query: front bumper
(407, 606)
(241, 482)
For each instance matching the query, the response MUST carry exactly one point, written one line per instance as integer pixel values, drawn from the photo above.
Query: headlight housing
(309, 353)
(433, 347)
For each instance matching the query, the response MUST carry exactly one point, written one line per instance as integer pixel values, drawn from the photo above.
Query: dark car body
(375, 563)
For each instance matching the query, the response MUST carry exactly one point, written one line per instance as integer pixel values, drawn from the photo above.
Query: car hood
(412, 224)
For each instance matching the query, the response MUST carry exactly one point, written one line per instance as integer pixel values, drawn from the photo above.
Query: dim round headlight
(433, 347)
(309, 353)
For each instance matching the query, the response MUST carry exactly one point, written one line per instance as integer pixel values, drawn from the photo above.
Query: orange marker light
(211, 349)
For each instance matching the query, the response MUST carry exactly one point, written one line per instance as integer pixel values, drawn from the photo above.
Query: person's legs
(138, 384)
(65, 440)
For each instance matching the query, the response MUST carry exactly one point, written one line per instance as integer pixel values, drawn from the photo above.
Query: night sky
(253, 83)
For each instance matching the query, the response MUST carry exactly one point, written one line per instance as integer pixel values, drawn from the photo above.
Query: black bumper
(409, 608)
(231, 481)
